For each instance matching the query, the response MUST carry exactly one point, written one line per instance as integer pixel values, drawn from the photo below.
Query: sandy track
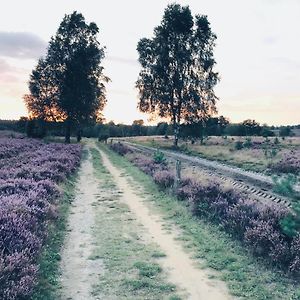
(179, 266)
(79, 273)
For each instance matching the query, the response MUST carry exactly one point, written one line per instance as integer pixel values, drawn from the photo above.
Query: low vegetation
(131, 268)
(30, 172)
(248, 276)
(255, 153)
(257, 224)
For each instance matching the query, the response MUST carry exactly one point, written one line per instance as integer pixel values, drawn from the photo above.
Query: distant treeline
(212, 127)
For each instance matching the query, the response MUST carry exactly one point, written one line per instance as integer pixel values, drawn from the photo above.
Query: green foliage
(147, 269)
(238, 145)
(177, 77)
(69, 83)
(285, 131)
(266, 132)
(42, 102)
(247, 143)
(270, 153)
(285, 185)
(159, 157)
(291, 224)
(251, 127)
(247, 278)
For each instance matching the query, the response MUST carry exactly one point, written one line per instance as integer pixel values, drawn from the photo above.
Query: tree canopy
(69, 83)
(177, 77)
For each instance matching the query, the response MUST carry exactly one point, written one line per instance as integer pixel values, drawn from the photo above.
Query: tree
(177, 77)
(161, 128)
(42, 102)
(137, 126)
(73, 69)
(285, 131)
(251, 127)
(223, 122)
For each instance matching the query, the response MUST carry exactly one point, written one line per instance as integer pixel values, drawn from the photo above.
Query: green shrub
(285, 185)
(247, 143)
(238, 145)
(159, 157)
(291, 223)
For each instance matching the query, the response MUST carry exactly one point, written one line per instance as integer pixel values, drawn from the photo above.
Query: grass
(246, 276)
(130, 259)
(49, 262)
(223, 150)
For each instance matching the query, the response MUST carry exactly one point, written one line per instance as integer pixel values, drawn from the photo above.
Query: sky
(257, 52)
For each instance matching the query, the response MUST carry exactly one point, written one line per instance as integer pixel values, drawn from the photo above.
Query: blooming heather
(256, 224)
(29, 173)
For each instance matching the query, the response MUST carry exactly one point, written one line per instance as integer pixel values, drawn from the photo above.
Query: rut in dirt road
(79, 273)
(179, 266)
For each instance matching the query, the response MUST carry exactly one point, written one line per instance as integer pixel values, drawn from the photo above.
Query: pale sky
(257, 52)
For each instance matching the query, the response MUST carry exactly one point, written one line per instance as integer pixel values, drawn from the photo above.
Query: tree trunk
(68, 131)
(176, 134)
(78, 133)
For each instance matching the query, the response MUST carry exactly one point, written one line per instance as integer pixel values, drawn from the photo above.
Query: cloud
(23, 45)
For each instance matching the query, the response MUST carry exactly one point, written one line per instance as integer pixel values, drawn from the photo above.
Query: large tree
(42, 100)
(177, 77)
(76, 56)
(73, 69)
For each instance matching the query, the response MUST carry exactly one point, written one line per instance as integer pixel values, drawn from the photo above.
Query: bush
(29, 170)
(289, 163)
(238, 145)
(247, 143)
(159, 157)
(290, 224)
(285, 185)
(164, 178)
(120, 148)
(258, 225)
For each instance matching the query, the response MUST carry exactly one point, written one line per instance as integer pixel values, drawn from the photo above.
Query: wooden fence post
(177, 174)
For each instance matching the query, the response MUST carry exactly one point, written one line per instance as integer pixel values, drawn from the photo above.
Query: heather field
(30, 176)
(258, 225)
(156, 160)
(273, 155)
(262, 229)
(130, 228)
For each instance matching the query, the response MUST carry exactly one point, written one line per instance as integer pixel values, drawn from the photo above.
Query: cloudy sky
(257, 52)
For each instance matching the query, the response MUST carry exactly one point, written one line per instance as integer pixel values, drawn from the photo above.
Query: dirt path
(79, 273)
(180, 267)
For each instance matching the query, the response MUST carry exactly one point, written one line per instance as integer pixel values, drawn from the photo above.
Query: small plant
(285, 185)
(248, 143)
(270, 153)
(238, 145)
(276, 141)
(159, 157)
(291, 223)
